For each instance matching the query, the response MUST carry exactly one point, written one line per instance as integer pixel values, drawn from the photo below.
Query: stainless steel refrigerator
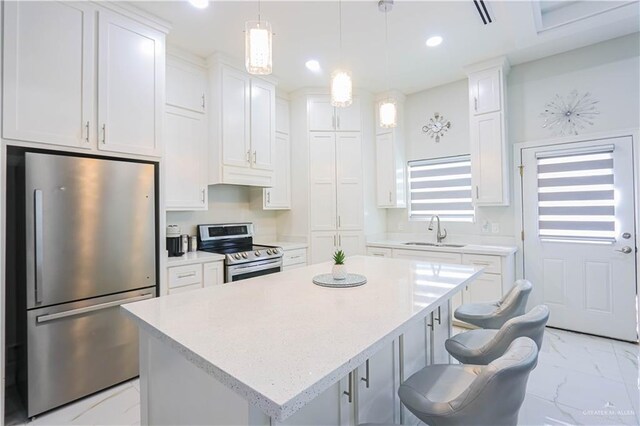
(90, 239)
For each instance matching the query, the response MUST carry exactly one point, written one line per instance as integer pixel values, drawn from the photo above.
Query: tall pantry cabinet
(326, 177)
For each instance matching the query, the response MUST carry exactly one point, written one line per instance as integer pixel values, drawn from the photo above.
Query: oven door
(252, 269)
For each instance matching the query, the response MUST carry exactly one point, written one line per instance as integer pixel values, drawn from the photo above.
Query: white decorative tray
(352, 280)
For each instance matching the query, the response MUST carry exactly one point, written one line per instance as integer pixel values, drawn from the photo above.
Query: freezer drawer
(79, 348)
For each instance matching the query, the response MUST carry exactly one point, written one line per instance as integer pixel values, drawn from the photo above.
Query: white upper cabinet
(242, 128)
(236, 93)
(488, 133)
(185, 163)
(130, 85)
(349, 181)
(324, 117)
(49, 73)
(322, 185)
(186, 85)
(484, 91)
(53, 92)
(263, 124)
(278, 197)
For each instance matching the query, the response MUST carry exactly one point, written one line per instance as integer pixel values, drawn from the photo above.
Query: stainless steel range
(243, 259)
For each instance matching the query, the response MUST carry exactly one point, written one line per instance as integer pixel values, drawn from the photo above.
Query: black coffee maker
(174, 241)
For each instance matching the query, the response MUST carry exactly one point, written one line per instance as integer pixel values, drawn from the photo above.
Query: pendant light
(387, 109)
(257, 46)
(341, 84)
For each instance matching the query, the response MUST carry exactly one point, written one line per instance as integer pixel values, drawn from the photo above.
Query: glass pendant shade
(258, 47)
(388, 114)
(341, 89)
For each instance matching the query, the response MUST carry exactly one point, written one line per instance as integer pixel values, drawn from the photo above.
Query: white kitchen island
(278, 349)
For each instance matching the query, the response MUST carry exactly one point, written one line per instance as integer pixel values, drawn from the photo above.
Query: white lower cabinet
(429, 256)
(292, 259)
(194, 276)
(379, 252)
(325, 243)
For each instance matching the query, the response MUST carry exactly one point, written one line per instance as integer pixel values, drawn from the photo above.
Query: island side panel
(174, 391)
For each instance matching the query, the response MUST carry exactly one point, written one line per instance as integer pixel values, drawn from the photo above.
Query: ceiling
(309, 30)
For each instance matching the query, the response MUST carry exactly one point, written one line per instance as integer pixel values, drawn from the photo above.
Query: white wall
(610, 71)
(229, 203)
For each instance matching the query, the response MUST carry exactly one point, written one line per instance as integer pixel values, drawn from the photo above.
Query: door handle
(349, 393)
(625, 250)
(38, 243)
(100, 306)
(366, 371)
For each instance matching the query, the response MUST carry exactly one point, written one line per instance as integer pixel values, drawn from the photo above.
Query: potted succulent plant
(339, 270)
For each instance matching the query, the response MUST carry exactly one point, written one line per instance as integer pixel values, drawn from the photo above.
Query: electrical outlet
(486, 226)
(495, 228)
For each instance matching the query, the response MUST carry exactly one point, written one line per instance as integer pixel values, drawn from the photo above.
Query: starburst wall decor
(437, 127)
(571, 115)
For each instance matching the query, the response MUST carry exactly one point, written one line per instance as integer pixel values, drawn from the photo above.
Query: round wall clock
(436, 127)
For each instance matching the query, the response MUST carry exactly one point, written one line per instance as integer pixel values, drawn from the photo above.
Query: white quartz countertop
(495, 250)
(194, 257)
(286, 245)
(279, 340)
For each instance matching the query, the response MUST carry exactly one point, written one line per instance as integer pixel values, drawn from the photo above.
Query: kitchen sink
(419, 243)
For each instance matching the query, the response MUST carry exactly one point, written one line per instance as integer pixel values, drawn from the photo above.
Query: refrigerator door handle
(73, 312)
(39, 243)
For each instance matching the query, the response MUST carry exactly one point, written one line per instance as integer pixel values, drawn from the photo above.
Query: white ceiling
(309, 29)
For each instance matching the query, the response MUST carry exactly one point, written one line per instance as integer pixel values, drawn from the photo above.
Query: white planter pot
(339, 272)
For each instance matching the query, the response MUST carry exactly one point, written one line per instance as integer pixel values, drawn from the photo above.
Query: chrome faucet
(439, 234)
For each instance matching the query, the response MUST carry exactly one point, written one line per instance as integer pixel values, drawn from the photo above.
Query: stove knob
(237, 256)
(258, 253)
(244, 255)
(269, 251)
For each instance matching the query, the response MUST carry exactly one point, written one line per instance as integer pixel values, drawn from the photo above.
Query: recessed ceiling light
(434, 41)
(312, 65)
(200, 4)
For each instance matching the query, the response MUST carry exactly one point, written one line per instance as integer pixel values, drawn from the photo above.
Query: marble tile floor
(579, 380)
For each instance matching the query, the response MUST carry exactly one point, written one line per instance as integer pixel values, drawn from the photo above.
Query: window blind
(576, 197)
(441, 187)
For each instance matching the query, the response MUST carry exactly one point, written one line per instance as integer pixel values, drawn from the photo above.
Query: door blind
(576, 197)
(441, 187)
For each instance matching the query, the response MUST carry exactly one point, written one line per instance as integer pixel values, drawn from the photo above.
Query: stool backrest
(514, 302)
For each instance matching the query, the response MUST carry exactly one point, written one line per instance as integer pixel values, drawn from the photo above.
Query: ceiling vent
(483, 11)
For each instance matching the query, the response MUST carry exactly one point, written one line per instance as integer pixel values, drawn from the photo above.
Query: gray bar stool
(495, 314)
(483, 346)
(472, 394)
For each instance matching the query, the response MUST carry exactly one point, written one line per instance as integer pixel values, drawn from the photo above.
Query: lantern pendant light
(341, 84)
(387, 109)
(257, 44)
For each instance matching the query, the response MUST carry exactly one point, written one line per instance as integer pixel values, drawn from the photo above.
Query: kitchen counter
(495, 250)
(277, 341)
(194, 257)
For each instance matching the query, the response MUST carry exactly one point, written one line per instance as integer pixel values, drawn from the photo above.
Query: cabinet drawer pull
(190, 274)
(296, 257)
(377, 254)
(349, 393)
(268, 197)
(366, 378)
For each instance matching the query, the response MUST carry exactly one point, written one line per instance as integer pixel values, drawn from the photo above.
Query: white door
(323, 245)
(185, 159)
(485, 91)
(385, 169)
(349, 118)
(235, 118)
(279, 196)
(263, 124)
(351, 242)
(322, 174)
(186, 85)
(580, 244)
(349, 181)
(321, 114)
(130, 85)
(377, 384)
(49, 73)
(487, 157)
